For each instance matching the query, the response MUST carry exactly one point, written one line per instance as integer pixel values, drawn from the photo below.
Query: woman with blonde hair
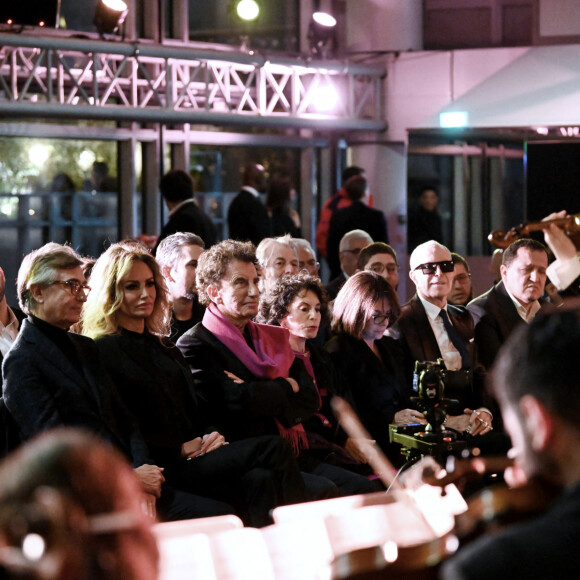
(128, 316)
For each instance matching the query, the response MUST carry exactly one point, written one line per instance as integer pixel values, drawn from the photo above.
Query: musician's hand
(557, 239)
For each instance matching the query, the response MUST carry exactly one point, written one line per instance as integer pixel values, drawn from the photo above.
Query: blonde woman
(128, 317)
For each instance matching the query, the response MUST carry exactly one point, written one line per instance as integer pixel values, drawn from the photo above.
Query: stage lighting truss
(76, 78)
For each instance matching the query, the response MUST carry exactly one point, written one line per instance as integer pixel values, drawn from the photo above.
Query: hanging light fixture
(247, 10)
(320, 31)
(109, 16)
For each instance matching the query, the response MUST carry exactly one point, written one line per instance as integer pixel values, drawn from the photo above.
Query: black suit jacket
(157, 388)
(376, 387)
(190, 218)
(247, 409)
(248, 218)
(419, 341)
(42, 389)
(355, 216)
(496, 318)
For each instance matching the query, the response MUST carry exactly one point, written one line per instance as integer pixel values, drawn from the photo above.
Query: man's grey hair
(266, 247)
(40, 267)
(169, 249)
(349, 236)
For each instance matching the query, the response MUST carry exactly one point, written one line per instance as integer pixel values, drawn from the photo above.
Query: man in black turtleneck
(53, 377)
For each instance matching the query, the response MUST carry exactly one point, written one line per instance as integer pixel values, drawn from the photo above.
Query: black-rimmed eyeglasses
(431, 267)
(382, 318)
(74, 286)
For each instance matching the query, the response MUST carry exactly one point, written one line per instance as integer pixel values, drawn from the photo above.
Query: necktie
(456, 340)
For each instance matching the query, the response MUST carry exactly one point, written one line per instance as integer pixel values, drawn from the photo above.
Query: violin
(570, 224)
(497, 505)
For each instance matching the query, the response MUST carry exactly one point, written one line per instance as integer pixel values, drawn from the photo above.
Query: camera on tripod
(429, 382)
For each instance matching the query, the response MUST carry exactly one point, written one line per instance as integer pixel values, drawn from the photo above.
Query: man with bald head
(247, 216)
(430, 329)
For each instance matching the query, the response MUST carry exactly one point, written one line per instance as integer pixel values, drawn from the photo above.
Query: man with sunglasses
(430, 328)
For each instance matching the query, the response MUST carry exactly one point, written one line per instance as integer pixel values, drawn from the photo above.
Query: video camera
(429, 381)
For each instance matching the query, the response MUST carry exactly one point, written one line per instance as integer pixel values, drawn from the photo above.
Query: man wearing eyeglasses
(381, 259)
(349, 249)
(53, 377)
(430, 329)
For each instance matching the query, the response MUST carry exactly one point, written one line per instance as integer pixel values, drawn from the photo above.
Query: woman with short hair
(369, 361)
(298, 304)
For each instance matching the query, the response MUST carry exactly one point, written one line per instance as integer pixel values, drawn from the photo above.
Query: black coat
(156, 386)
(248, 219)
(496, 318)
(355, 216)
(247, 409)
(375, 387)
(190, 218)
(419, 344)
(43, 389)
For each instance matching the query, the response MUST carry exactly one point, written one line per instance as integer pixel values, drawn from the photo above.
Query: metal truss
(65, 77)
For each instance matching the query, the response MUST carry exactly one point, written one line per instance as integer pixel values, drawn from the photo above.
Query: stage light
(321, 30)
(109, 16)
(247, 10)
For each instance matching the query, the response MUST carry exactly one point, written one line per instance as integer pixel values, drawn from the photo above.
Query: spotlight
(247, 10)
(321, 30)
(109, 16)
(30, 12)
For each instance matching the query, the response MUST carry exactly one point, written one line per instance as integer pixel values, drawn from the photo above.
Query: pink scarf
(272, 358)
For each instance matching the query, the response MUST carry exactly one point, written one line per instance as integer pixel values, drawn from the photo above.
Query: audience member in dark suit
(357, 216)
(513, 301)
(369, 362)
(177, 255)
(298, 304)
(461, 291)
(247, 216)
(176, 187)
(247, 372)
(10, 319)
(79, 499)
(424, 222)
(349, 250)
(430, 329)
(128, 315)
(53, 377)
(537, 383)
(283, 219)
